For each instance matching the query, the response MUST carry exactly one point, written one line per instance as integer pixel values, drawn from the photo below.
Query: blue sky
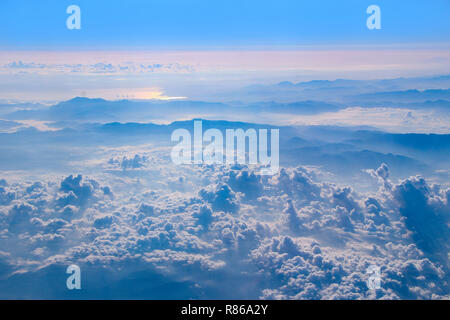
(211, 45)
(40, 25)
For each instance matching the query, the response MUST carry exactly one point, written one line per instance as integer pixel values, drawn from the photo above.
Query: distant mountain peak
(85, 99)
(286, 84)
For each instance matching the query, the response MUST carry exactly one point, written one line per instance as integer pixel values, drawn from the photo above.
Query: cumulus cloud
(5, 196)
(125, 163)
(427, 214)
(295, 236)
(93, 68)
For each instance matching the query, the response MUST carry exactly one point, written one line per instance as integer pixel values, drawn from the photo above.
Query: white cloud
(294, 236)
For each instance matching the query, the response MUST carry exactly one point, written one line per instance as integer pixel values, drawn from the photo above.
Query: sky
(172, 49)
(202, 24)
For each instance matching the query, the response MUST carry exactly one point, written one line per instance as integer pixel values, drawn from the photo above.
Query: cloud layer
(290, 236)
